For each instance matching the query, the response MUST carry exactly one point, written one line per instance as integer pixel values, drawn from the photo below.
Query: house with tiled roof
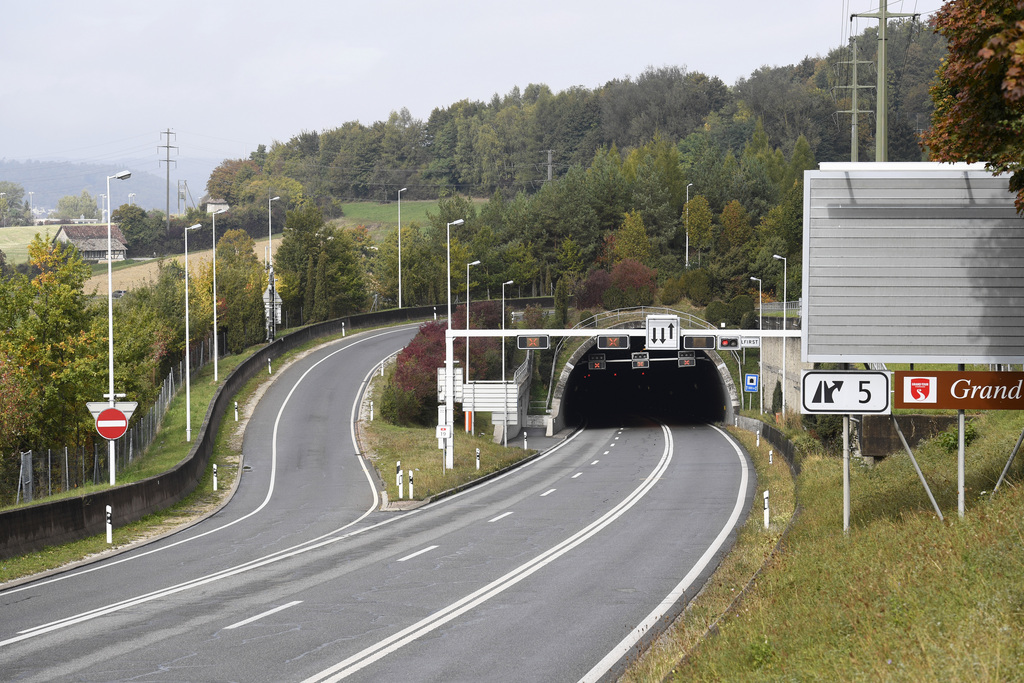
(91, 241)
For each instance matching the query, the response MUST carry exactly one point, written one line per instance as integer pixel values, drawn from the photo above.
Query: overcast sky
(99, 81)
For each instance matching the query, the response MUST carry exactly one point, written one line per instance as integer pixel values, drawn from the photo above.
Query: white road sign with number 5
(845, 393)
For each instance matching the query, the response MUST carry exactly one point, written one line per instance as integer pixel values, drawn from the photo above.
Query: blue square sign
(750, 383)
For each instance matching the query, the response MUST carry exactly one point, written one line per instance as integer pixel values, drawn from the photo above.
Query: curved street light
(216, 354)
(400, 245)
(785, 297)
(188, 364)
(121, 175)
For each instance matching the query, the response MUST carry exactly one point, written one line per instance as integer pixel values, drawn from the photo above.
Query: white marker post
(769, 456)
(343, 328)
(371, 411)
(766, 509)
(236, 411)
(110, 527)
(478, 458)
(759, 439)
(410, 484)
(214, 476)
(398, 477)
(524, 440)
(269, 370)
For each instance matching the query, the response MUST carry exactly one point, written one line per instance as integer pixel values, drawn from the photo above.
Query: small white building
(215, 205)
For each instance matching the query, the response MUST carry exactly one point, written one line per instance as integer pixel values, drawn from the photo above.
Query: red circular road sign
(111, 423)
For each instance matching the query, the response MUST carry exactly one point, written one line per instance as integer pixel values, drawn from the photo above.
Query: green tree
(240, 282)
(71, 207)
(697, 221)
(631, 240)
(979, 96)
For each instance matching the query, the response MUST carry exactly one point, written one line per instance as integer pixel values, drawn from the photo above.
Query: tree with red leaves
(979, 97)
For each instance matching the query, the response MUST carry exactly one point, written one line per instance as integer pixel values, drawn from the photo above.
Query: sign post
(111, 422)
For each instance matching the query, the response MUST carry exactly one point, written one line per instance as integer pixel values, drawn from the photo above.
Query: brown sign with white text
(959, 390)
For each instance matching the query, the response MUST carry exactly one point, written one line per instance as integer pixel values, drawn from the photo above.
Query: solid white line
(627, 643)
(417, 553)
(547, 492)
(135, 556)
(371, 654)
(501, 516)
(265, 614)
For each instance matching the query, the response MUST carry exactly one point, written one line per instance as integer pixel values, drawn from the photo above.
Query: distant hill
(50, 180)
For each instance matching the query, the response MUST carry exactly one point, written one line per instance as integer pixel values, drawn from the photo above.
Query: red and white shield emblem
(919, 390)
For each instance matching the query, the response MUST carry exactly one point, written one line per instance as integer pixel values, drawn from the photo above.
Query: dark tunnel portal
(664, 390)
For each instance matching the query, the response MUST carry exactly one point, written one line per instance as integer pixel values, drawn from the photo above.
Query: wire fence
(49, 470)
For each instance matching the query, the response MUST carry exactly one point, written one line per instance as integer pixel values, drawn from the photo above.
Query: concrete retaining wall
(31, 528)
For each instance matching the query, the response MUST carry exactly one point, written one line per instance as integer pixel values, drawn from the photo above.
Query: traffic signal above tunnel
(610, 342)
(537, 342)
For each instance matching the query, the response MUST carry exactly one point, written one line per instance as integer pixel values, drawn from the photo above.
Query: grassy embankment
(903, 596)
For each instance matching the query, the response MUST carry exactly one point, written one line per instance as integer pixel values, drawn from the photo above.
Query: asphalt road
(554, 571)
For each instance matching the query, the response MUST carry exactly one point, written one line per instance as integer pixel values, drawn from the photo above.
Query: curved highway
(556, 570)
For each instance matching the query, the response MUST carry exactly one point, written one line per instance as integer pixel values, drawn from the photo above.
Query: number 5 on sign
(845, 393)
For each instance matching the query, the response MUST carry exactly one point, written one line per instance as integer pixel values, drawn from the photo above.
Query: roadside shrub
(697, 287)
(592, 292)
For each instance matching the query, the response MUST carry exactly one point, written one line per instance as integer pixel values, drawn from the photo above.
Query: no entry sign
(111, 423)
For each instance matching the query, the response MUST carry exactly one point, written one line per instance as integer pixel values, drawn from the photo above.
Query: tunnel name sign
(845, 393)
(959, 390)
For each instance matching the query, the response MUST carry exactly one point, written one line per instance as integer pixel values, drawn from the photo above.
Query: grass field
(14, 241)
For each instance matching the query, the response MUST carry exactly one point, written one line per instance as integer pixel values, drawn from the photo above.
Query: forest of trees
(646, 176)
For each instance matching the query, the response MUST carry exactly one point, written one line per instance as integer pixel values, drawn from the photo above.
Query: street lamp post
(122, 175)
(465, 378)
(688, 225)
(216, 349)
(449, 360)
(785, 297)
(504, 429)
(188, 364)
(272, 314)
(760, 353)
(400, 245)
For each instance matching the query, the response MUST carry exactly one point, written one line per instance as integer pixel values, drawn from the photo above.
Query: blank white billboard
(911, 262)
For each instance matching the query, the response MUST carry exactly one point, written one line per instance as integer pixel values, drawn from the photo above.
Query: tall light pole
(760, 352)
(131, 199)
(400, 245)
(465, 377)
(188, 364)
(216, 354)
(504, 429)
(449, 360)
(688, 224)
(785, 297)
(31, 217)
(473, 263)
(122, 175)
(272, 314)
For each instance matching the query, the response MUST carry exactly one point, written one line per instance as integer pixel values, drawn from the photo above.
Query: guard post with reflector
(537, 342)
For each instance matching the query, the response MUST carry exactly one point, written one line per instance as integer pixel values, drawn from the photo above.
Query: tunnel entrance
(663, 390)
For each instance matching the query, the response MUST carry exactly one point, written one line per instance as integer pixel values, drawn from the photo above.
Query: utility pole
(854, 110)
(881, 105)
(168, 147)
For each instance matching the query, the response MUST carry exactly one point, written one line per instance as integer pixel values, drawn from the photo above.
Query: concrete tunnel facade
(700, 394)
